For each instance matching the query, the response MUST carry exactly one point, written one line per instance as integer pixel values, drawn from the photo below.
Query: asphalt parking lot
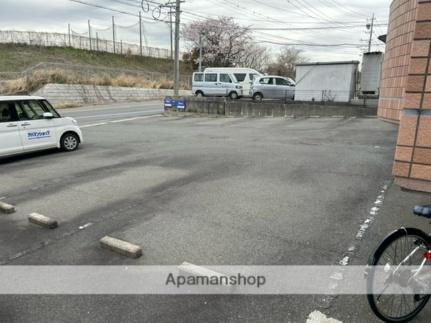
(209, 191)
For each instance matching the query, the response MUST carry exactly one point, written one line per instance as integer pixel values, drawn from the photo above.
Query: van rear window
(199, 77)
(240, 77)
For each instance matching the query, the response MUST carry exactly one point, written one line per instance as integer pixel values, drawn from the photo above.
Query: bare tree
(224, 43)
(285, 63)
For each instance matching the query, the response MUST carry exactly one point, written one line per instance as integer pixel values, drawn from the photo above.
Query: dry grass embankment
(39, 78)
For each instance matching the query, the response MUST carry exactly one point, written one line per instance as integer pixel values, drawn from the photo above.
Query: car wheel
(233, 95)
(258, 97)
(199, 94)
(69, 142)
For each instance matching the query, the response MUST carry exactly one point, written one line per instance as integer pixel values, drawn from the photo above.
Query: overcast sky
(346, 18)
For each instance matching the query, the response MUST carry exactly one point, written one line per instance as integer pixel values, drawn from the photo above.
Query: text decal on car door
(38, 134)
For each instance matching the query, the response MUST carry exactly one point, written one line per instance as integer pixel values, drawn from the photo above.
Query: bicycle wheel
(391, 252)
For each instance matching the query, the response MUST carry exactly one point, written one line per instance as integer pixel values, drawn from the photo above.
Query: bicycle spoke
(402, 252)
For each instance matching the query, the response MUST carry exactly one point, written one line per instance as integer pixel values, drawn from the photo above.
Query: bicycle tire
(374, 260)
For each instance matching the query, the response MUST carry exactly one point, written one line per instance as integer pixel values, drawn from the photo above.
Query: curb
(42, 220)
(7, 208)
(122, 247)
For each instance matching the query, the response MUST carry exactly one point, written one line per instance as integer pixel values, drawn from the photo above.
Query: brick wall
(397, 58)
(412, 167)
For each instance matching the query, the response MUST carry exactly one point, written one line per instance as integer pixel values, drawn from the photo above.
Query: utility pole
(177, 47)
(140, 33)
(171, 29)
(69, 32)
(97, 41)
(89, 32)
(113, 33)
(371, 28)
(200, 52)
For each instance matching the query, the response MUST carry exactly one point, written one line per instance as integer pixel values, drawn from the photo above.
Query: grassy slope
(16, 57)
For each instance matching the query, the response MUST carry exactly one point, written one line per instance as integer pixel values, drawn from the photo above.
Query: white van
(244, 76)
(30, 123)
(216, 84)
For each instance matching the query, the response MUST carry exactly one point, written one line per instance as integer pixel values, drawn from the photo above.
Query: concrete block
(42, 220)
(122, 247)
(6, 208)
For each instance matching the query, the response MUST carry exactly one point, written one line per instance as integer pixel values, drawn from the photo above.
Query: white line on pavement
(118, 121)
(113, 107)
(93, 125)
(115, 114)
(318, 317)
(135, 118)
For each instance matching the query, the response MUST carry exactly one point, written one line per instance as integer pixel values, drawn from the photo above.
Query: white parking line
(318, 317)
(114, 107)
(118, 121)
(115, 114)
(135, 118)
(93, 125)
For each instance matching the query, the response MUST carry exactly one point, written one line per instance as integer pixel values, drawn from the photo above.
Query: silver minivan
(273, 87)
(216, 84)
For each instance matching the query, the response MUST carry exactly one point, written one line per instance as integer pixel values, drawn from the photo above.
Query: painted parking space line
(113, 107)
(319, 317)
(89, 125)
(93, 125)
(131, 113)
(136, 118)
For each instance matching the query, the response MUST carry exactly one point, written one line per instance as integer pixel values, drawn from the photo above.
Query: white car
(30, 123)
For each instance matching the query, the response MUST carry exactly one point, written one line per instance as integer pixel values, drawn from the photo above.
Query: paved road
(202, 190)
(113, 112)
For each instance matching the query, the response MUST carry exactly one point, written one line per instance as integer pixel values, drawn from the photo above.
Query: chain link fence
(75, 40)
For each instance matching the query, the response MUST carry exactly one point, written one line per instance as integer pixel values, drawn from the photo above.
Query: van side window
(6, 114)
(199, 77)
(240, 77)
(225, 78)
(33, 109)
(211, 77)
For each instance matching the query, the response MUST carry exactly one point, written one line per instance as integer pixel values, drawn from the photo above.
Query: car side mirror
(48, 115)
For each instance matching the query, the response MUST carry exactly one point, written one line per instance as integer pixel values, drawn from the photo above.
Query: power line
(343, 7)
(311, 44)
(312, 28)
(111, 9)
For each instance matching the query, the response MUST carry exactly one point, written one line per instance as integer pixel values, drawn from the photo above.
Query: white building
(330, 81)
(371, 72)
